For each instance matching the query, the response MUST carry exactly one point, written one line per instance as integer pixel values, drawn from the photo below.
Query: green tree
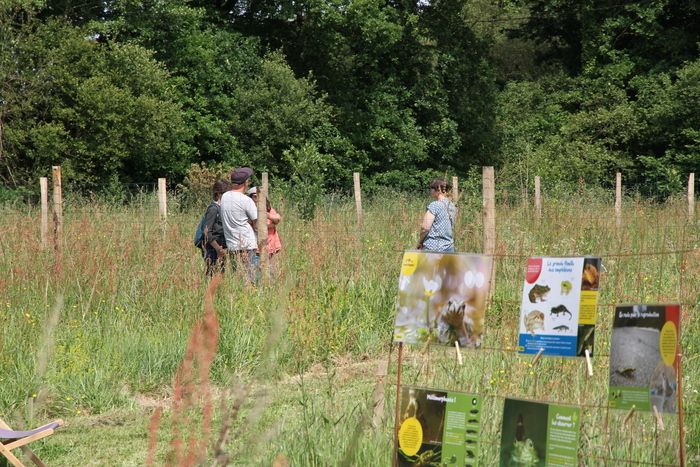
(97, 110)
(243, 108)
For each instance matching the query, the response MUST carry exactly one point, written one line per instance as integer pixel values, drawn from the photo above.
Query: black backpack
(199, 233)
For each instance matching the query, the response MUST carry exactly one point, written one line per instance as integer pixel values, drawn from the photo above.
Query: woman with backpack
(213, 243)
(436, 233)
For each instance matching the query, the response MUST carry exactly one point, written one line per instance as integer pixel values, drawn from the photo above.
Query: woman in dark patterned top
(436, 232)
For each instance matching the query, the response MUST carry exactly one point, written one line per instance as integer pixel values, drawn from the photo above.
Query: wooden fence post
(489, 206)
(618, 199)
(691, 196)
(262, 225)
(44, 185)
(358, 196)
(379, 391)
(455, 189)
(538, 198)
(57, 209)
(162, 200)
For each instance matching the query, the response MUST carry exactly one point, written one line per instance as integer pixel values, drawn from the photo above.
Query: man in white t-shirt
(239, 217)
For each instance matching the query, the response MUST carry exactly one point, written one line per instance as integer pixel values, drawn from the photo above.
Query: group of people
(230, 226)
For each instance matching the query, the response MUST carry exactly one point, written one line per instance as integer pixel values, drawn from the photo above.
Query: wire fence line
(679, 241)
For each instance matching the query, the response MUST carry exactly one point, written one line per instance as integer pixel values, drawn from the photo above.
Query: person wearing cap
(274, 244)
(239, 217)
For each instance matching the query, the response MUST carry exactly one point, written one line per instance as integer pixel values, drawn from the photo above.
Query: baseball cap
(252, 191)
(240, 175)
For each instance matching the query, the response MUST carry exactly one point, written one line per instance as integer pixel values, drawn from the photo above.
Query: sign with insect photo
(644, 357)
(558, 308)
(539, 434)
(442, 298)
(438, 428)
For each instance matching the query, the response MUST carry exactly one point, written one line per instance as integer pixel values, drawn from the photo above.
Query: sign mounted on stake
(643, 357)
(438, 428)
(558, 308)
(442, 298)
(534, 433)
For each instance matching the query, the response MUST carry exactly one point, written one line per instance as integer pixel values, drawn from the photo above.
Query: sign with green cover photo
(643, 357)
(438, 428)
(558, 307)
(442, 298)
(539, 434)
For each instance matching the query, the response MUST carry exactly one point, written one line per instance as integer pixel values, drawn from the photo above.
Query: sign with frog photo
(558, 308)
(539, 434)
(438, 428)
(643, 357)
(442, 298)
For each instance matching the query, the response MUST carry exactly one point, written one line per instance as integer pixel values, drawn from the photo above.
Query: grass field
(294, 369)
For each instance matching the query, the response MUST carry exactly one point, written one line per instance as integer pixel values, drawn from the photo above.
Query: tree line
(124, 91)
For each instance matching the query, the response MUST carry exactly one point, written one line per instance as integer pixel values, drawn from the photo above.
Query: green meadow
(97, 338)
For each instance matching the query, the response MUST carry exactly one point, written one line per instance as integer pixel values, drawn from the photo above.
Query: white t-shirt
(237, 210)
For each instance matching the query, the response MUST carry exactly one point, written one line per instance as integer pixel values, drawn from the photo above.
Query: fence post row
(57, 209)
(691, 196)
(162, 200)
(538, 198)
(618, 199)
(44, 186)
(358, 196)
(489, 206)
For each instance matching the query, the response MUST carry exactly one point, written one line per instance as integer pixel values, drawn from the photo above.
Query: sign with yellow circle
(410, 436)
(409, 263)
(668, 341)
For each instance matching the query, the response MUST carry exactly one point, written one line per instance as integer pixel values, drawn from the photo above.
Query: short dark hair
(220, 187)
(439, 184)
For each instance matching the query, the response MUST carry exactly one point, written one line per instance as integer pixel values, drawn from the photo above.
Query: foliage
(99, 111)
(130, 90)
(276, 112)
(306, 183)
(196, 188)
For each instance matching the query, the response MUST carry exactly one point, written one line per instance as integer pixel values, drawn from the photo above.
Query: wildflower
(479, 280)
(469, 279)
(431, 286)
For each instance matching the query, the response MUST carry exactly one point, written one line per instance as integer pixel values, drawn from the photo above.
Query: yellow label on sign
(410, 436)
(587, 308)
(409, 264)
(668, 343)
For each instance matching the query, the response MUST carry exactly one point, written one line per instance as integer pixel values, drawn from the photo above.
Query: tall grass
(133, 289)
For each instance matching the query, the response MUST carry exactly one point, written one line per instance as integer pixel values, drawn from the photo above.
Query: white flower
(469, 279)
(403, 282)
(431, 286)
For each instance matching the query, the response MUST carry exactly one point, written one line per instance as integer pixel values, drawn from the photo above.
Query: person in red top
(274, 244)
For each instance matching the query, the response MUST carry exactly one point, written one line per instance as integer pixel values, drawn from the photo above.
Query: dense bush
(127, 91)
